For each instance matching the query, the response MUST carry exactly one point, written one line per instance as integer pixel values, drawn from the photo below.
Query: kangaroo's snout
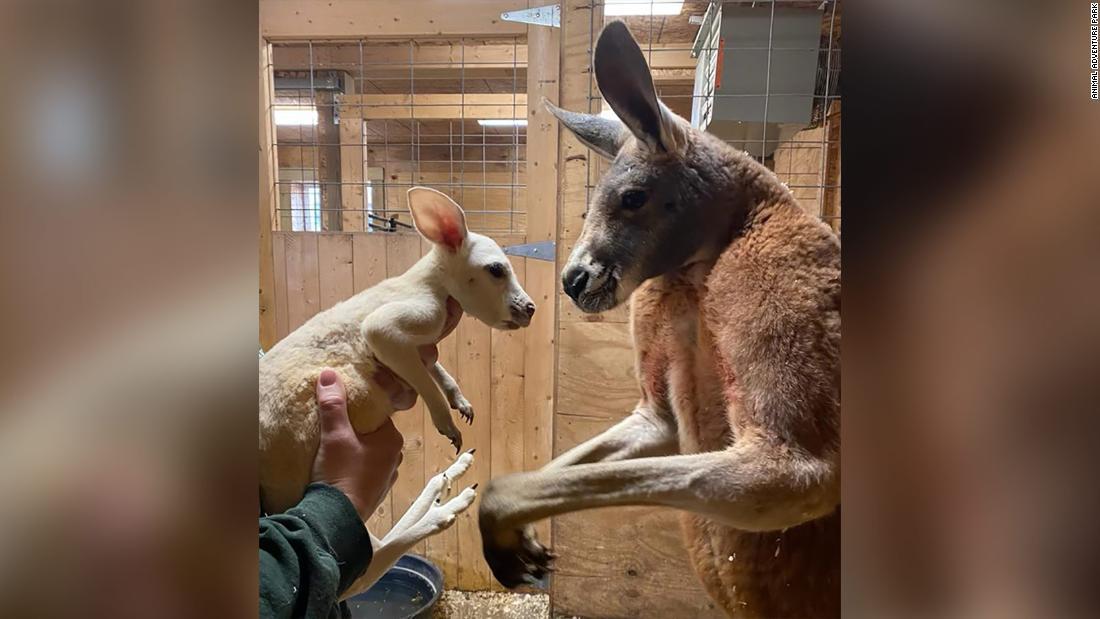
(574, 281)
(522, 311)
(591, 284)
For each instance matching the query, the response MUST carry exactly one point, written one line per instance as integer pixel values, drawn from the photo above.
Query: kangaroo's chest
(680, 365)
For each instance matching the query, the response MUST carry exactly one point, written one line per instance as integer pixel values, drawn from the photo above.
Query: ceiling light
(503, 123)
(294, 115)
(623, 8)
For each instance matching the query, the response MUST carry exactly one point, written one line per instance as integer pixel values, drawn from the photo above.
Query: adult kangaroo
(735, 314)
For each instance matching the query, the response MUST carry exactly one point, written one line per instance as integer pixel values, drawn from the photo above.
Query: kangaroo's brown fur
(776, 287)
(735, 314)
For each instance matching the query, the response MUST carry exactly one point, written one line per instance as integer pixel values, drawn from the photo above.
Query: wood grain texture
(370, 260)
(540, 345)
(474, 378)
(297, 19)
(353, 165)
(303, 287)
(633, 564)
(278, 257)
(268, 329)
(507, 361)
(596, 371)
(335, 268)
(506, 401)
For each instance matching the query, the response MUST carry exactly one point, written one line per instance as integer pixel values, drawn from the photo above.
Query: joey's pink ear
(438, 218)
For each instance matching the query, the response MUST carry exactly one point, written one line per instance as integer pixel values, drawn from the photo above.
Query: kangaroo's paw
(516, 557)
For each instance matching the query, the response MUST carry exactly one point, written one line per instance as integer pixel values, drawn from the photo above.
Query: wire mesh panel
(764, 76)
(357, 123)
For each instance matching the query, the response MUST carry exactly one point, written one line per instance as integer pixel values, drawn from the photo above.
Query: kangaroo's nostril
(530, 307)
(575, 281)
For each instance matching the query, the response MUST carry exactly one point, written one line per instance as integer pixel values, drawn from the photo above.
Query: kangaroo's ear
(626, 83)
(438, 218)
(603, 135)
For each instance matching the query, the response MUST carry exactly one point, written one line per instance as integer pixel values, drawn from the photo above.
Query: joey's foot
(442, 515)
(462, 405)
(447, 478)
(447, 428)
(456, 440)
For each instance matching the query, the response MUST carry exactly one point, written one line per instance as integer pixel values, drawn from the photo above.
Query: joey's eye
(634, 200)
(495, 269)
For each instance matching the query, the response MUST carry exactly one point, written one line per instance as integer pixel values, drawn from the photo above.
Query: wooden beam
(352, 166)
(542, 277)
(268, 196)
(434, 106)
(671, 62)
(358, 18)
(372, 55)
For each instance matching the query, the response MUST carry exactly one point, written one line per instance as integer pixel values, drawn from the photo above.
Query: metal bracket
(549, 15)
(542, 250)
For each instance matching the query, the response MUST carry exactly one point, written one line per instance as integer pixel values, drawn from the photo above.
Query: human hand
(362, 466)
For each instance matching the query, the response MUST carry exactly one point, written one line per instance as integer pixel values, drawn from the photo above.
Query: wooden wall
(313, 271)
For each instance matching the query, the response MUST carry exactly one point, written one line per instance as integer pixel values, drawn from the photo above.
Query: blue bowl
(408, 591)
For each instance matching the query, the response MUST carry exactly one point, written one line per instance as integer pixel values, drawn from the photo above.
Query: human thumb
(332, 400)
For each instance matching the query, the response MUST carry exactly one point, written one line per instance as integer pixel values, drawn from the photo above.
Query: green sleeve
(310, 554)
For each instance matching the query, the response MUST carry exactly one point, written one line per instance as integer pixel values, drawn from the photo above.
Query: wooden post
(540, 357)
(352, 167)
(268, 197)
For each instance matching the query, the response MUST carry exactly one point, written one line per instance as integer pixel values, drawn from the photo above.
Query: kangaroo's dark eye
(634, 200)
(495, 269)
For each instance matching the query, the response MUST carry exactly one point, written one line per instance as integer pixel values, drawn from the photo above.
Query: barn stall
(362, 99)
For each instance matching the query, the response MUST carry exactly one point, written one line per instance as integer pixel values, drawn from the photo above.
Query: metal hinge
(542, 250)
(549, 15)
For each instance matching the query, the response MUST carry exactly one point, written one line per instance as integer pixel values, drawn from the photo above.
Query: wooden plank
(352, 167)
(437, 106)
(268, 328)
(579, 21)
(369, 268)
(335, 268)
(303, 293)
(596, 371)
(375, 56)
(625, 562)
(507, 419)
(473, 374)
(358, 18)
(402, 251)
(831, 207)
(506, 400)
(540, 348)
(278, 251)
(669, 61)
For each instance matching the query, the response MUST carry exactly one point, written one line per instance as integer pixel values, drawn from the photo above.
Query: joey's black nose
(574, 281)
(530, 309)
